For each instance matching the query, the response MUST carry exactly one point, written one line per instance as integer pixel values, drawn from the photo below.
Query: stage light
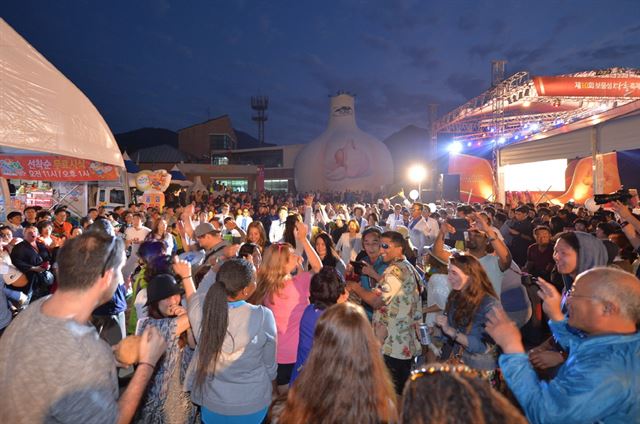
(469, 144)
(417, 173)
(501, 140)
(534, 127)
(455, 147)
(526, 103)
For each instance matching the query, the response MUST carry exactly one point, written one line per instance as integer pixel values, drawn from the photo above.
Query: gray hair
(618, 287)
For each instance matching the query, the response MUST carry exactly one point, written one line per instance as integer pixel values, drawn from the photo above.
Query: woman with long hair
(252, 253)
(454, 394)
(350, 243)
(160, 232)
(327, 288)
(289, 235)
(472, 297)
(257, 235)
(165, 401)
(287, 296)
(327, 253)
(230, 376)
(345, 378)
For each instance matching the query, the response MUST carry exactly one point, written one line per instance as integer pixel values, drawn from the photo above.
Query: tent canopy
(130, 165)
(41, 111)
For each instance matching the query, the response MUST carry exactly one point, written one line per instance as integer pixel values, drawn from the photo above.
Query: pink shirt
(288, 307)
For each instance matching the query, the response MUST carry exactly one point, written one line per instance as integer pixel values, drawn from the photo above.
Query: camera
(357, 267)
(623, 195)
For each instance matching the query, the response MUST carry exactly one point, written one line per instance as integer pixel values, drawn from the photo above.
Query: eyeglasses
(434, 369)
(572, 295)
(110, 254)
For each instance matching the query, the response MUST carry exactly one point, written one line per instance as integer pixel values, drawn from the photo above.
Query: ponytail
(233, 276)
(215, 319)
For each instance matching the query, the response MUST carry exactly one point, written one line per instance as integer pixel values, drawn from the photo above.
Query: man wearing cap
(210, 240)
(53, 366)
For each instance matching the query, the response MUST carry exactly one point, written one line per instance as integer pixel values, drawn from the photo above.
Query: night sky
(171, 64)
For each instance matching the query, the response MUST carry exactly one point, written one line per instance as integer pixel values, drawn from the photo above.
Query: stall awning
(41, 111)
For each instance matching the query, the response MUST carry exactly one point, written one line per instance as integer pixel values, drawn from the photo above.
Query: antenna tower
(260, 105)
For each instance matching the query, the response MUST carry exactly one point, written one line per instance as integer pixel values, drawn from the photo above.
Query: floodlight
(455, 147)
(417, 173)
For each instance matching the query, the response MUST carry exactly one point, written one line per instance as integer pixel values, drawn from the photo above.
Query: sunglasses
(111, 252)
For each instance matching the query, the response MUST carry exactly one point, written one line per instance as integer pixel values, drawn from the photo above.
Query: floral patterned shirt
(397, 321)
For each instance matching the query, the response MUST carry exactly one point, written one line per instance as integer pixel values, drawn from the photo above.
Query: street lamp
(417, 173)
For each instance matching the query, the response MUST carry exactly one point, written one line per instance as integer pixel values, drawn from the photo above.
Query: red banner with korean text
(55, 168)
(587, 86)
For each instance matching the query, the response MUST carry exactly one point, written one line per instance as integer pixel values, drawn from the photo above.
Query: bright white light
(536, 176)
(526, 103)
(501, 140)
(534, 127)
(455, 147)
(413, 194)
(417, 173)
(469, 144)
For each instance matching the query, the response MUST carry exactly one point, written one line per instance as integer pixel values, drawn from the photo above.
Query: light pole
(417, 173)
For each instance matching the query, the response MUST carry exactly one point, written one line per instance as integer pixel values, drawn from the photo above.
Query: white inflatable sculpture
(343, 157)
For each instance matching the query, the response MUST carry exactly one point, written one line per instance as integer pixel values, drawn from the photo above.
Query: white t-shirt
(136, 236)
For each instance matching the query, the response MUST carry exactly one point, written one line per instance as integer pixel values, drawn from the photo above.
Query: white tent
(41, 111)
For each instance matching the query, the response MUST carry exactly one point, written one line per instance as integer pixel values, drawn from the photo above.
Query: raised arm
(312, 256)
(501, 249)
(182, 269)
(438, 245)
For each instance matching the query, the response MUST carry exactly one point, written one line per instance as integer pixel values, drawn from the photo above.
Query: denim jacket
(481, 352)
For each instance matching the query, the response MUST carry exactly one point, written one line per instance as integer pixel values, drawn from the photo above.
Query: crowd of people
(230, 307)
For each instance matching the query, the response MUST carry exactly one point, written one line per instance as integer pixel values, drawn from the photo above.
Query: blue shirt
(307, 328)
(599, 382)
(379, 266)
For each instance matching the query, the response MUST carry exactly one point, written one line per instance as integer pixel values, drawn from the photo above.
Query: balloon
(590, 205)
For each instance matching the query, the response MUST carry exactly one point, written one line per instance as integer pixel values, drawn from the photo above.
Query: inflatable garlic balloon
(153, 184)
(343, 157)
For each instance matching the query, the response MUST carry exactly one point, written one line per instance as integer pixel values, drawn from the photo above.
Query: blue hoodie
(599, 382)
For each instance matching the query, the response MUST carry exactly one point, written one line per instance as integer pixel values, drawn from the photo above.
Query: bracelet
(180, 278)
(146, 363)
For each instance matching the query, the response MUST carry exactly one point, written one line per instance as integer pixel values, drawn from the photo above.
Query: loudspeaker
(451, 187)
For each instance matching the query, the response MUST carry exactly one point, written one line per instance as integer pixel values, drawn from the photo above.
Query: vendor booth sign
(55, 168)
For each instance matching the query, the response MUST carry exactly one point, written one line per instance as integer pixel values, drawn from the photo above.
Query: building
(214, 151)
